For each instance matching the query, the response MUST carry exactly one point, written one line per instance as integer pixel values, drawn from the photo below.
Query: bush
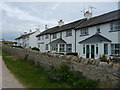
(35, 48)
(103, 58)
(72, 53)
(60, 53)
(18, 46)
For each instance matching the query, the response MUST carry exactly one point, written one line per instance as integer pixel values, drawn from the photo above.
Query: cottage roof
(59, 40)
(111, 16)
(24, 36)
(96, 38)
(104, 18)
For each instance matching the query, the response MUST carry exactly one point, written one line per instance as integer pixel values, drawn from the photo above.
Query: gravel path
(6, 77)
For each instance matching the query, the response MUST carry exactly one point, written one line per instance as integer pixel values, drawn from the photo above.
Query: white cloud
(55, 6)
(23, 15)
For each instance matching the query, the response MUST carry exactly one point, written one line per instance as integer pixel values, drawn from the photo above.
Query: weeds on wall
(63, 74)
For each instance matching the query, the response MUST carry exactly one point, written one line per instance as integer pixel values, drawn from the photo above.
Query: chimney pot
(60, 23)
(87, 14)
(46, 27)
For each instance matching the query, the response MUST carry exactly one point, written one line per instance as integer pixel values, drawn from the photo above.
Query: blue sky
(18, 17)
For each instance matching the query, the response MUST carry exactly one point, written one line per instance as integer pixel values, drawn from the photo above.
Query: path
(7, 80)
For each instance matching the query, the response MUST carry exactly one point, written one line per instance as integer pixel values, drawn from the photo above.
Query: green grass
(29, 75)
(32, 76)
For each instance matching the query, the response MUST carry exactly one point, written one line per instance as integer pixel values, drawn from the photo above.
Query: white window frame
(114, 49)
(68, 33)
(62, 48)
(84, 31)
(114, 25)
(69, 47)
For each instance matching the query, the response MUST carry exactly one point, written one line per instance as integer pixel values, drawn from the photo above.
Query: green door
(92, 51)
(87, 51)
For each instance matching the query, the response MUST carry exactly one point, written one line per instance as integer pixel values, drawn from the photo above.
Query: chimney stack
(46, 27)
(87, 14)
(60, 23)
(37, 29)
(30, 31)
(25, 33)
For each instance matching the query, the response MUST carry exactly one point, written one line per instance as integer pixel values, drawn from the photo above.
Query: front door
(87, 51)
(92, 51)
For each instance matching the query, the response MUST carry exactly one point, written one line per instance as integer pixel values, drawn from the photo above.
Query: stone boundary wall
(107, 74)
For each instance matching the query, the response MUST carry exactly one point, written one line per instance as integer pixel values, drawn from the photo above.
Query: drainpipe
(75, 40)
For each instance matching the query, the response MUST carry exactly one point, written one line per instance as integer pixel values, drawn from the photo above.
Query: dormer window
(98, 29)
(84, 31)
(115, 26)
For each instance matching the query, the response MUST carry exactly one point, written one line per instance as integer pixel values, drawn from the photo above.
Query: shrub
(72, 53)
(35, 48)
(103, 58)
(62, 73)
(18, 46)
(60, 53)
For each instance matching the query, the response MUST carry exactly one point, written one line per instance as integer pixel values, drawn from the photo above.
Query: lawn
(32, 76)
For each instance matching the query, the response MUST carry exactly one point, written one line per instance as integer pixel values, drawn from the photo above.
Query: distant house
(90, 37)
(28, 40)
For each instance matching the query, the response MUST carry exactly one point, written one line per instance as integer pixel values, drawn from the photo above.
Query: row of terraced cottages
(90, 37)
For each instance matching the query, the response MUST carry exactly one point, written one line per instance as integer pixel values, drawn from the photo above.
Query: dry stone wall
(107, 74)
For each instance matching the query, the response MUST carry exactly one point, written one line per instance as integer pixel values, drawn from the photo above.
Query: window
(105, 48)
(84, 31)
(96, 48)
(68, 33)
(46, 36)
(98, 29)
(60, 34)
(62, 47)
(39, 38)
(83, 49)
(115, 26)
(54, 47)
(46, 47)
(54, 35)
(115, 49)
(42, 37)
(69, 47)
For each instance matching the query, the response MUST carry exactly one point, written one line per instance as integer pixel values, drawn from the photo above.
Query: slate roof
(59, 40)
(64, 27)
(96, 38)
(24, 36)
(104, 18)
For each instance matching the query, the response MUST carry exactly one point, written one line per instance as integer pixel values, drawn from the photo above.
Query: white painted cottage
(90, 37)
(28, 40)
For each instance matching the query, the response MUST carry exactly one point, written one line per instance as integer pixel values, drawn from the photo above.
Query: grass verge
(32, 76)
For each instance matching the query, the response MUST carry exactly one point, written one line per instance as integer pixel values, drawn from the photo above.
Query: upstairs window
(39, 38)
(54, 35)
(115, 26)
(60, 34)
(46, 36)
(42, 37)
(68, 33)
(84, 31)
(98, 29)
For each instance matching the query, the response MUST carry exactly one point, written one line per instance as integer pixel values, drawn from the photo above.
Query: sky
(20, 17)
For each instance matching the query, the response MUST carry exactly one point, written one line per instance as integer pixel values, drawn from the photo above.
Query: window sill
(114, 31)
(84, 35)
